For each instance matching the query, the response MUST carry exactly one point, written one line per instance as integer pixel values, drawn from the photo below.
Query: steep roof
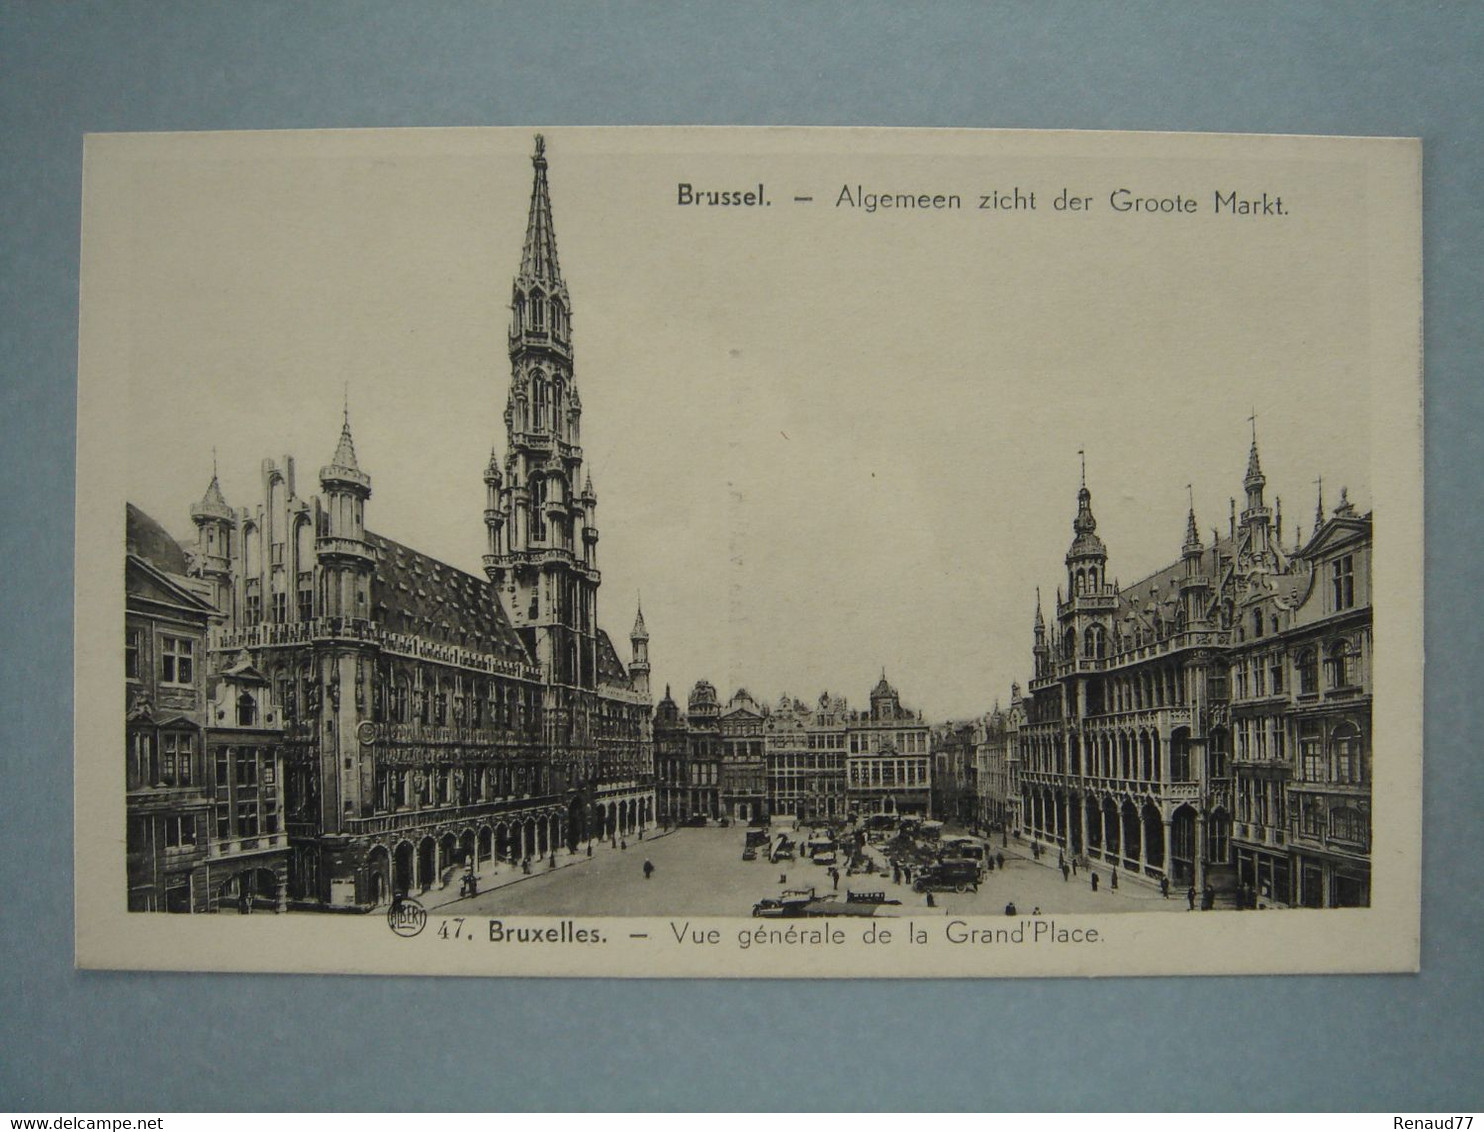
(611, 670)
(145, 537)
(413, 593)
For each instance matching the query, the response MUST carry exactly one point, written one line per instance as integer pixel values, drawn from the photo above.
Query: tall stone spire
(542, 527)
(538, 260)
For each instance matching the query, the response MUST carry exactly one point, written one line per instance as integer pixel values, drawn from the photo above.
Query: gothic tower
(541, 512)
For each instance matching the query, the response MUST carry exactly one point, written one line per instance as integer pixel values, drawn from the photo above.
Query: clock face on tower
(366, 732)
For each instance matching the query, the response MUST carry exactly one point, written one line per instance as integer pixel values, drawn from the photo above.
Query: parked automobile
(960, 874)
(790, 904)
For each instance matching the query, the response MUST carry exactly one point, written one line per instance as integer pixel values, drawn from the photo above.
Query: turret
(345, 555)
(1088, 557)
(494, 507)
(215, 522)
(1194, 584)
(1255, 515)
(639, 667)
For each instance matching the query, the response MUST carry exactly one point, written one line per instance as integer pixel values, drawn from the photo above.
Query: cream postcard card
(749, 552)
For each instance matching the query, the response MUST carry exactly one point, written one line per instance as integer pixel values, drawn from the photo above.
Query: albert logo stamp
(406, 917)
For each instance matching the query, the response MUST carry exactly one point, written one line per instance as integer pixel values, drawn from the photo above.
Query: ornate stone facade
(1126, 752)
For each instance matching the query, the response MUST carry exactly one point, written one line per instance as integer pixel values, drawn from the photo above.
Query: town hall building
(424, 718)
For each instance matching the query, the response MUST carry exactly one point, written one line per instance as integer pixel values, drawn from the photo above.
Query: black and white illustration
(987, 550)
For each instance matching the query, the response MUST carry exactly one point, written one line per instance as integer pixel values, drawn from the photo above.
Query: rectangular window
(280, 607)
(306, 603)
(1276, 675)
(253, 609)
(180, 832)
(143, 753)
(247, 819)
(1342, 582)
(177, 660)
(133, 654)
(177, 758)
(1311, 756)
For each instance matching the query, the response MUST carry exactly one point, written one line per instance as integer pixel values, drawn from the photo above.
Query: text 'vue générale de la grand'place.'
(1059, 200)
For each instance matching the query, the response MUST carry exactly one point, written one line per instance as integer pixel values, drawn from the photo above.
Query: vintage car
(960, 874)
(792, 903)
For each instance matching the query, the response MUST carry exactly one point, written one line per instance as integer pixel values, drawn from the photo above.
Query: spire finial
(1253, 421)
(345, 405)
(1319, 504)
(1082, 454)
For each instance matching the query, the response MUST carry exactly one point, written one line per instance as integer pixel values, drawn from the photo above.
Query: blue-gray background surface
(132, 1041)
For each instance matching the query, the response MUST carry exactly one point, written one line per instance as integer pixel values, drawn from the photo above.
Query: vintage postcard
(749, 552)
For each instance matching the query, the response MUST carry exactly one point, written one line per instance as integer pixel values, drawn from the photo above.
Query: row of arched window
(537, 314)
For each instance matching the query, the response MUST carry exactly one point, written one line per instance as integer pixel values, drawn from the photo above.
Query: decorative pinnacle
(1254, 466)
(1319, 504)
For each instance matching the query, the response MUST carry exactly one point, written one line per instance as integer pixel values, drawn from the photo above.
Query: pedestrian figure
(1066, 872)
(1190, 897)
(999, 859)
(1208, 899)
(624, 844)
(896, 873)
(1074, 866)
(525, 865)
(589, 848)
(1113, 882)
(906, 874)
(1010, 908)
(1061, 859)
(835, 878)
(1164, 887)
(931, 903)
(989, 864)
(648, 869)
(1094, 881)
